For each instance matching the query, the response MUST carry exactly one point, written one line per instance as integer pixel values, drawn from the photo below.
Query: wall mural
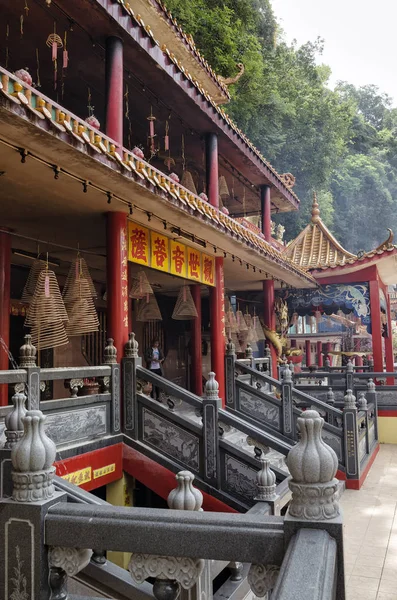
(332, 297)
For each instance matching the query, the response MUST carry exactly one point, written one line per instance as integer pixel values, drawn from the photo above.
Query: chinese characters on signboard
(152, 249)
(124, 275)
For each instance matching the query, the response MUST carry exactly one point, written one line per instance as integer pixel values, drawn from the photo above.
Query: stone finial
(350, 400)
(131, 347)
(312, 465)
(371, 387)
(13, 421)
(230, 348)
(185, 496)
(266, 482)
(287, 375)
(248, 351)
(110, 353)
(349, 366)
(330, 396)
(27, 353)
(211, 387)
(32, 459)
(362, 401)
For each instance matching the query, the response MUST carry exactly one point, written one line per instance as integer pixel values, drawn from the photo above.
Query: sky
(360, 37)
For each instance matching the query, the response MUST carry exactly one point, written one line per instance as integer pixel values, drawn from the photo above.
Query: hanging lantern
(167, 137)
(65, 54)
(140, 286)
(152, 135)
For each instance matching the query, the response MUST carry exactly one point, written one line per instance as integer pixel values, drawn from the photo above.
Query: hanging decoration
(127, 116)
(78, 270)
(7, 42)
(241, 324)
(38, 82)
(188, 182)
(185, 308)
(148, 309)
(31, 282)
(140, 286)
(91, 119)
(65, 53)
(260, 335)
(152, 135)
(138, 152)
(47, 313)
(223, 189)
(78, 294)
(55, 43)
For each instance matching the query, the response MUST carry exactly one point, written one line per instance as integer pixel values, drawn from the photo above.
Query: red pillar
(114, 89)
(5, 277)
(389, 343)
(376, 326)
(217, 320)
(308, 353)
(197, 361)
(269, 315)
(117, 280)
(319, 354)
(212, 168)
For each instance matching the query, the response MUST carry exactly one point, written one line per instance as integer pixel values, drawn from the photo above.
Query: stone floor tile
(364, 583)
(385, 596)
(367, 570)
(360, 594)
(387, 586)
(376, 561)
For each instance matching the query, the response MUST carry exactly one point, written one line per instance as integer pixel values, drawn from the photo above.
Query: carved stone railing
(173, 545)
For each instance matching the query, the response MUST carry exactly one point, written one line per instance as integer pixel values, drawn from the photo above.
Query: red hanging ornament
(167, 137)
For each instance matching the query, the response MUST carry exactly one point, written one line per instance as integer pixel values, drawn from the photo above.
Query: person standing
(154, 357)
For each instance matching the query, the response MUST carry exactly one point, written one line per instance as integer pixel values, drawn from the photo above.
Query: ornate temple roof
(316, 248)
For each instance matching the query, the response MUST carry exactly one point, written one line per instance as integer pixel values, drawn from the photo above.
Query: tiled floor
(370, 532)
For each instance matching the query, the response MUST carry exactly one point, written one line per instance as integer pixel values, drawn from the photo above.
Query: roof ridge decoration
(315, 247)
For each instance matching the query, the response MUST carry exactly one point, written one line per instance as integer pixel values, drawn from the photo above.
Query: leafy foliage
(340, 142)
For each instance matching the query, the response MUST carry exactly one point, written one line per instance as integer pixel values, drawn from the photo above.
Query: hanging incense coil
(47, 305)
(241, 324)
(235, 340)
(78, 290)
(83, 317)
(188, 183)
(248, 320)
(258, 328)
(50, 335)
(251, 336)
(148, 309)
(185, 308)
(223, 189)
(31, 282)
(140, 286)
(78, 271)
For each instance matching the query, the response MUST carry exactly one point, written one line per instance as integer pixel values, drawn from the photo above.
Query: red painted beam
(160, 480)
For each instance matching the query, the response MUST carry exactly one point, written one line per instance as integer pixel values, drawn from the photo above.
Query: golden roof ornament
(315, 209)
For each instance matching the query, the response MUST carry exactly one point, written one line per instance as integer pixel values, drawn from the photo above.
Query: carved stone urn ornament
(266, 482)
(131, 347)
(185, 496)
(32, 459)
(313, 465)
(13, 421)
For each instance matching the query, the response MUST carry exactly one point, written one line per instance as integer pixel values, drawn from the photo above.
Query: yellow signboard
(152, 249)
(104, 471)
(138, 244)
(79, 477)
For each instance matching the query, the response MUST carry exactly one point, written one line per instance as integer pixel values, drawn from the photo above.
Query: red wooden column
(117, 280)
(308, 353)
(5, 278)
(217, 320)
(114, 89)
(217, 293)
(269, 315)
(319, 354)
(212, 168)
(376, 325)
(196, 342)
(329, 349)
(389, 342)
